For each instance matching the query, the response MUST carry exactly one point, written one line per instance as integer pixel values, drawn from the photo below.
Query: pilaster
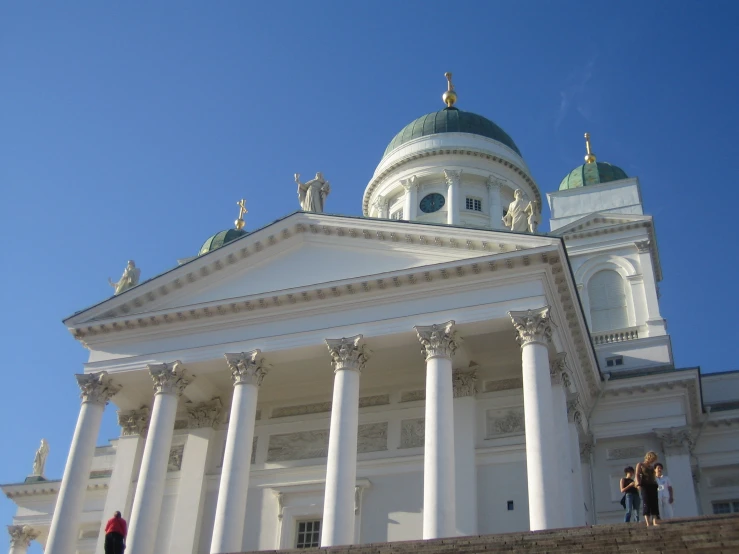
(465, 435)
(677, 444)
(493, 184)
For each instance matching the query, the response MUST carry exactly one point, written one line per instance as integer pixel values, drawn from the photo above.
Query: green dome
(592, 174)
(221, 238)
(451, 120)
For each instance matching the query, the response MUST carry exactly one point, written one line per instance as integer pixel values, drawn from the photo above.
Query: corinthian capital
(452, 176)
(96, 388)
(134, 422)
(558, 369)
(204, 414)
(348, 353)
(381, 203)
(464, 382)
(438, 340)
(21, 535)
(675, 440)
(532, 326)
(410, 183)
(494, 183)
(247, 368)
(169, 378)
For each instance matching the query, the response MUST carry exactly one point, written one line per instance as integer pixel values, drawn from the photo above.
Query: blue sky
(129, 131)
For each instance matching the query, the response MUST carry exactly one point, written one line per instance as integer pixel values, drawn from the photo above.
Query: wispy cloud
(573, 93)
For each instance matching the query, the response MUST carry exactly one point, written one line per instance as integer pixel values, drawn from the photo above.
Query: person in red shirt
(115, 534)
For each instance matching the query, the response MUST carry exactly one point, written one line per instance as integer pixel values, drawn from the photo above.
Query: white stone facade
(461, 391)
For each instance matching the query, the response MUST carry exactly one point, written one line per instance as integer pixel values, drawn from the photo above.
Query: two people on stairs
(648, 488)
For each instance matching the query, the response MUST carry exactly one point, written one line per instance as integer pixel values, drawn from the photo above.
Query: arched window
(607, 301)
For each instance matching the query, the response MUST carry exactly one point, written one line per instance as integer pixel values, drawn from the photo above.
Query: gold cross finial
(242, 210)
(589, 157)
(449, 97)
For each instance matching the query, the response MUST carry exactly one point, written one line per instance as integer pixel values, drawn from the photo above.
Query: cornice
(445, 150)
(616, 225)
(125, 316)
(687, 383)
(45, 488)
(403, 235)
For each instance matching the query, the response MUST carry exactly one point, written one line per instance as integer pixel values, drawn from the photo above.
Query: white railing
(619, 335)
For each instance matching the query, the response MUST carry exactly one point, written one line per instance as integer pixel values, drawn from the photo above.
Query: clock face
(432, 202)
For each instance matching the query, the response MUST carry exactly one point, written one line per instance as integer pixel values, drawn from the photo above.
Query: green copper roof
(221, 238)
(592, 174)
(451, 120)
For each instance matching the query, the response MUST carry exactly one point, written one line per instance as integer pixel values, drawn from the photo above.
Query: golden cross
(242, 208)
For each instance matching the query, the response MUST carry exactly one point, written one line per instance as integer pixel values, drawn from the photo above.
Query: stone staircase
(714, 534)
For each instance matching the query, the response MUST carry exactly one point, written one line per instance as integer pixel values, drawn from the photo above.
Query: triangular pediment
(305, 250)
(600, 220)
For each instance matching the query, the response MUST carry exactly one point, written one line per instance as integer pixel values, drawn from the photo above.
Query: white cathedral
(437, 367)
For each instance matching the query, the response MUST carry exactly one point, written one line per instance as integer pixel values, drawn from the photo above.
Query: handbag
(623, 501)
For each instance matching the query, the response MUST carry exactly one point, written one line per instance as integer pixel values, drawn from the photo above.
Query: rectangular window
(726, 507)
(308, 534)
(614, 361)
(397, 215)
(474, 204)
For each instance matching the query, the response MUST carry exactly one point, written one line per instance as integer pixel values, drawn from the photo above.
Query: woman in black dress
(646, 482)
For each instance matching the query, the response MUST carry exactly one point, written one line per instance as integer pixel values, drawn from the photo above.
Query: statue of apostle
(312, 195)
(516, 217)
(39, 460)
(534, 218)
(129, 279)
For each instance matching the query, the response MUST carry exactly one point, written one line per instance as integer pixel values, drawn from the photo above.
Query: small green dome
(221, 238)
(451, 120)
(592, 174)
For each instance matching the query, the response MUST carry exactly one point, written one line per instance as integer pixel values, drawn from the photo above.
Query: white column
(496, 209)
(534, 331)
(453, 179)
(574, 417)
(169, 383)
(247, 372)
(560, 382)
(188, 513)
(21, 537)
(348, 358)
(676, 444)
(465, 420)
(410, 202)
(96, 391)
(128, 447)
(381, 204)
(438, 343)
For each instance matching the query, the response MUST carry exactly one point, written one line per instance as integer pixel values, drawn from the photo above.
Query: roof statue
(534, 216)
(516, 216)
(39, 460)
(128, 280)
(312, 195)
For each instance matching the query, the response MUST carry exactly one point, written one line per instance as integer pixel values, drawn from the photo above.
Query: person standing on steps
(646, 482)
(631, 500)
(664, 492)
(115, 534)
